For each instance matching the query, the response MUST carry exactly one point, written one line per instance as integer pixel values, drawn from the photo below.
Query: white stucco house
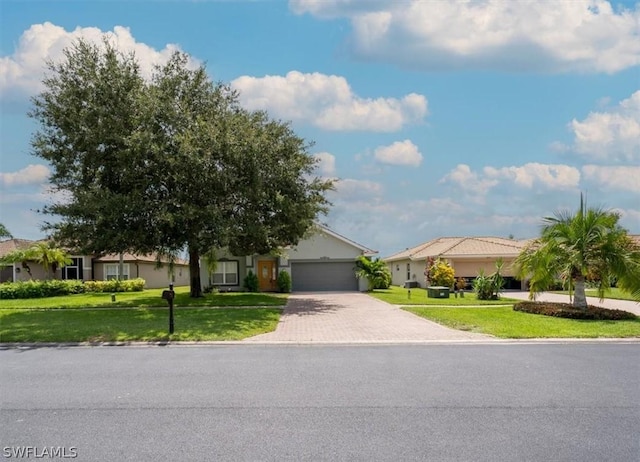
(325, 261)
(466, 255)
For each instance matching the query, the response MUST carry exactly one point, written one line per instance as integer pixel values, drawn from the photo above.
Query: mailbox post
(169, 295)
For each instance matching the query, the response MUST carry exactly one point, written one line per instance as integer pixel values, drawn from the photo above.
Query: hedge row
(565, 310)
(56, 287)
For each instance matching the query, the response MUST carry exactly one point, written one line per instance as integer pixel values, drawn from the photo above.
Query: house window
(408, 272)
(226, 273)
(74, 270)
(111, 271)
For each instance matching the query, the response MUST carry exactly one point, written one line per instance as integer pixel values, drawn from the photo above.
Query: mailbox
(168, 294)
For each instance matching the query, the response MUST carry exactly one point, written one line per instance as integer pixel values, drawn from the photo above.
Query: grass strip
(417, 296)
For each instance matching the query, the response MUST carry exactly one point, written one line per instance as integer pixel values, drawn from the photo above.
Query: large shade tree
(169, 164)
(575, 246)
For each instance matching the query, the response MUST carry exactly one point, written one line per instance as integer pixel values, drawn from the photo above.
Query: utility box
(437, 292)
(410, 284)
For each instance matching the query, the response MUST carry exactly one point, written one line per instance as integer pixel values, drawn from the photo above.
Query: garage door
(323, 276)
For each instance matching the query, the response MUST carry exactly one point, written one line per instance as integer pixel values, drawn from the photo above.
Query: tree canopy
(575, 246)
(168, 164)
(4, 232)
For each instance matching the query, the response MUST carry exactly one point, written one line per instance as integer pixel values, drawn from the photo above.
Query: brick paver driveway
(354, 317)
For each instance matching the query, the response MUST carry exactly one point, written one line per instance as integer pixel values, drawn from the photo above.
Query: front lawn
(146, 298)
(503, 322)
(399, 296)
(123, 325)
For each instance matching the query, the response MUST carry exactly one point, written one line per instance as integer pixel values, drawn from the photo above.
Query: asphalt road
(490, 402)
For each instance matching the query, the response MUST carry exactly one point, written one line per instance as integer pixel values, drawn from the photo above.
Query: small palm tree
(49, 257)
(574, 246)
(375, 271)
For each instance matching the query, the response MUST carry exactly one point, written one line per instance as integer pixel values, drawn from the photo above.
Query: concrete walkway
(626, 305)
(354, 317)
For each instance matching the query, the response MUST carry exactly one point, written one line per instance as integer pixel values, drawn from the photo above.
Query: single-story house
(466, 255)
(87, 267)
(325, 261)
(141, 266)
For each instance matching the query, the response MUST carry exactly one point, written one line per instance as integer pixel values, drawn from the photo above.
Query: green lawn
(614, 293)
(503, 322)
(399, 296)
(139, 324)
(147, 298)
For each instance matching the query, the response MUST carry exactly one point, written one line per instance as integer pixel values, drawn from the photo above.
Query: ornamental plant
(441, 274)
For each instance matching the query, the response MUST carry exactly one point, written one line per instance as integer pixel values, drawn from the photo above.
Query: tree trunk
(194, 272)
(579, 295)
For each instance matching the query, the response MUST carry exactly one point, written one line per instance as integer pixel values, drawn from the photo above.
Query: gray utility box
(410, 284)
(437, 292)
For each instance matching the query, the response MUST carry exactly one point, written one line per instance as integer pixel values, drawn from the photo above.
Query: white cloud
(625, 178)
(24, 69)
(612, 135)
(326, 163)
(563, 36)
(535, 174)
(328, 102)
(30, 175)
(528, 176)
(469, 180)
(399, 153)
(357, 189)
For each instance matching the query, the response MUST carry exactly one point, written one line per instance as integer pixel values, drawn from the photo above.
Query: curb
(497, 342)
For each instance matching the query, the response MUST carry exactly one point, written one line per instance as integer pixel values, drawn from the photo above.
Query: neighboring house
(323, 262)
(86, 268)
(141, 266)
(80, 267)
(466, 255)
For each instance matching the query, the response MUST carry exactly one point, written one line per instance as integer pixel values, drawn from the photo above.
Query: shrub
(58, 287)
(441, 274)
(374, 271)
(251, 282)
(489, 287)
(115, 285)
(284, 282)
(566, 310)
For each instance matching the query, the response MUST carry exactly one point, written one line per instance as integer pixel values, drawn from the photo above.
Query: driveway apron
(353, 317)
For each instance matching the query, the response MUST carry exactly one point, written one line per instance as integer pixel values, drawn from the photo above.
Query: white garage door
(323, 276)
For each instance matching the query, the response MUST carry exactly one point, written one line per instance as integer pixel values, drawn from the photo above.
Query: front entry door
(267, 275)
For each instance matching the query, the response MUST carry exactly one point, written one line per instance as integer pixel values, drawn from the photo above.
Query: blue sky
(439, 118)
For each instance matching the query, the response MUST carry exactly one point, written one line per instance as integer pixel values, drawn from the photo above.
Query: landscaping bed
(566, 310)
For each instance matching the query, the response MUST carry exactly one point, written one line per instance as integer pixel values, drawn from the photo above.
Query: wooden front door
(267, 275)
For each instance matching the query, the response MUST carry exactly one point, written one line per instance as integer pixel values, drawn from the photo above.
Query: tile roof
(10, 245)
(129, 257)
(461, 247)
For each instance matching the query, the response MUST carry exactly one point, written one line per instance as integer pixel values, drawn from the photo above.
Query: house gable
(326, 245)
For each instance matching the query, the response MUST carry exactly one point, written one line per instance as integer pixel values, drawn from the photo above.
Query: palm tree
(575, 246)
(375, 271)
(49, 257)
